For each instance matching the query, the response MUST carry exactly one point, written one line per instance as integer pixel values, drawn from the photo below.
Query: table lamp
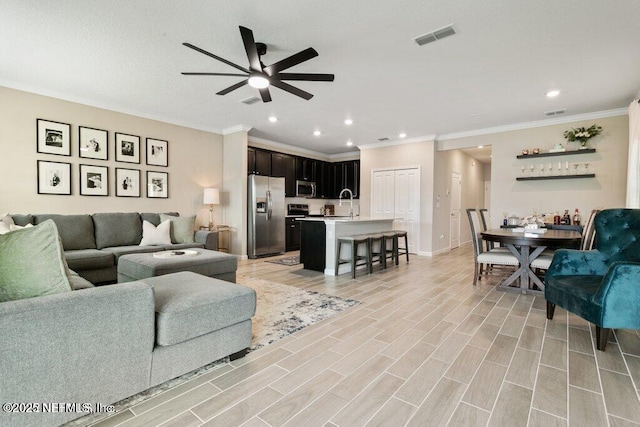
(211, 197)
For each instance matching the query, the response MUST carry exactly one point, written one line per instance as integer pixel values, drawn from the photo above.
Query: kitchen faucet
(350, 201)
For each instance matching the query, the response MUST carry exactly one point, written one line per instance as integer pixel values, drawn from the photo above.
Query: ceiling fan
(260, 76)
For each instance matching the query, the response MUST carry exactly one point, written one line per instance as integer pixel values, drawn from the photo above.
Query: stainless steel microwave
(305, 189)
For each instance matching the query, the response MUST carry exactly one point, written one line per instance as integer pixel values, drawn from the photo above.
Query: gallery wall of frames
(94, 146)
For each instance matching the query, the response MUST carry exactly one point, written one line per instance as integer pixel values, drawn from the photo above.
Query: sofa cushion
(22, 220)
(181, 228)
(154, 218)
(78, 282)
(32, 263)
(76, 231)
(156, 236)
(89, 259)
(118, 251)
(117, 229)
(189, 305)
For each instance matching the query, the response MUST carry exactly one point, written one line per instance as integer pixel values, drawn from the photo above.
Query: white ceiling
(127, 56)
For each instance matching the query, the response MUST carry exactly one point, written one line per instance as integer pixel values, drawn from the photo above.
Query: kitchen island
(319, 239)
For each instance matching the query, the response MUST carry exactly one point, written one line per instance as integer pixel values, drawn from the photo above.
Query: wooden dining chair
(587, 241)
(492, 259)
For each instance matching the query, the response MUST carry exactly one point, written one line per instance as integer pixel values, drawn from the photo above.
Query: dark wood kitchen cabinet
(258, 162)
(292, 234)
(305, 169)
(283, 165)
(346, 175)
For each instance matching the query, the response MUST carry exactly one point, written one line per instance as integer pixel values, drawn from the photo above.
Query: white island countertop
(334, 219)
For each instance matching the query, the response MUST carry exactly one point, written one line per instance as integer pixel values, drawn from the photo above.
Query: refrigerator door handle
(313, 190)
(269, 206)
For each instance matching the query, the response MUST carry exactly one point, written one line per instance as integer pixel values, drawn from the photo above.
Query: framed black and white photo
(157, 185)
(127, 182)
(94, 180)
(127, 148)
(157, 153)
(93, 143)
(54, 177)
(53, 137)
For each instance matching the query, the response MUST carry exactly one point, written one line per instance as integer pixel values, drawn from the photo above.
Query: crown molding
(536, 124)
(426, 138)
(109, 107)
(237, 128)
(281, 146)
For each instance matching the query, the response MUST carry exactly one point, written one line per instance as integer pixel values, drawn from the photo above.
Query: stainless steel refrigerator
(266, 231)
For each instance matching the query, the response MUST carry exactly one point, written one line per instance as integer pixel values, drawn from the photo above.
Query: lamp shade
(211, 196)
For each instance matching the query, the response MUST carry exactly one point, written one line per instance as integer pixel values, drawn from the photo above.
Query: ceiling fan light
(258, 82)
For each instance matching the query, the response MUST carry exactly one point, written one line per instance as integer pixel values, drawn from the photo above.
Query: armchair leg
(602, 336)
(551, 308)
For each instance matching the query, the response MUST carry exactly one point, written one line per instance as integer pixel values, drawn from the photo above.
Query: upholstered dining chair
(601, 285)
(483, 257)
(543, 261)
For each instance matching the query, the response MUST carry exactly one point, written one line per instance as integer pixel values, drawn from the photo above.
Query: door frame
(459, 177)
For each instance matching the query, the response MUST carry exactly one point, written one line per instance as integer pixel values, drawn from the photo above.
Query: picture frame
(157, 185)
(127, 182)
(53, 137)
(93, 143)
(127, 148)
(54, 178)
(157, 152)
(94, 180)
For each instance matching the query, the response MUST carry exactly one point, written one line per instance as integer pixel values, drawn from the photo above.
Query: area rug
(280, 311)
(289, 261)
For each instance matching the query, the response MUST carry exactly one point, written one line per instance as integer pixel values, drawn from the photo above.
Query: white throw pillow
(5, 219)
(4, 229)
(153, 236)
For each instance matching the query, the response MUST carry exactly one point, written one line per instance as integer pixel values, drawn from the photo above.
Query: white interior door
(395, 193)
(407, 205)
(382, 198)
(455, 197)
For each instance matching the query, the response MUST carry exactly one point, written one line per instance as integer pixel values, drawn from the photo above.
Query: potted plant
(582, 134)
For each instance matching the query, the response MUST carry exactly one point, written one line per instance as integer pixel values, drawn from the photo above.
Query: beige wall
(472, 195)
(416, 154)
(609, 163)
(195, 159)
(235, 189)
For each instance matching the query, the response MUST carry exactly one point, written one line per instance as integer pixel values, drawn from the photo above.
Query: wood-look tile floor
(425, 348)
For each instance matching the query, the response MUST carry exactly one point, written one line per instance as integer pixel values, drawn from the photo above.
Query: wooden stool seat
(354, 243)
(405, 250)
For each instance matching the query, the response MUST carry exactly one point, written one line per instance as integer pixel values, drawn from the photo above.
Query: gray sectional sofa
(100, 344)
(94, 243)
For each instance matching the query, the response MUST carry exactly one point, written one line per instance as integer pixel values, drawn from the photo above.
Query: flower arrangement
(582, 134)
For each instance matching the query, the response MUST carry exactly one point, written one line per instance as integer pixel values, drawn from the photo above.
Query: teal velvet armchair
(602, 285)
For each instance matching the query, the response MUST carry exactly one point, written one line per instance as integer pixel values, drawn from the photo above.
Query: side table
(224, 237)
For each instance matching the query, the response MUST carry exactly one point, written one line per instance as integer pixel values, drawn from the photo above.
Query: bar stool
(390, 252)
(405, 250)
(354, 243)
(376, 250)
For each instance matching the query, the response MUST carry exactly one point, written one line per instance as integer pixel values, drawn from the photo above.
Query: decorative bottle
(576, 217)
(566, 218)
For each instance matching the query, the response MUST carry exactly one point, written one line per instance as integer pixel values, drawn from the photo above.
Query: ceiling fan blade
(264, 93)
(214, 74)
(292, 60)
(233, 87)
(204, 52)
(291, 89)
(311, 77)
(250, 48)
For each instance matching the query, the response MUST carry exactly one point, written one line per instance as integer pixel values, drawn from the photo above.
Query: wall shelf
(559, 153)
(539, 178)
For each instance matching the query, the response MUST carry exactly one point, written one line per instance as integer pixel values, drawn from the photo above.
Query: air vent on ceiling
(435, 35)
(554, 112)
(251, 100)
(383, 139)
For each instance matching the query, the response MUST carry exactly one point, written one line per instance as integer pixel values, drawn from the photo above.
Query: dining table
(527, 245)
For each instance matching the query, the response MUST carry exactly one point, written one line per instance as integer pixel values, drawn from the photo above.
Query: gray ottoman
(207, 263)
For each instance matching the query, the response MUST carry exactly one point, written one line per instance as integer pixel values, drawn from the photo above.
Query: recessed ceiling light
(317, 133)
(402, 135)
(553, 93)
(348, 122)
(273, 119)
(349, 143)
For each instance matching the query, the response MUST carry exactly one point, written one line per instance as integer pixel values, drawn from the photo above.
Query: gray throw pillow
(32, 263)
(181, 228)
